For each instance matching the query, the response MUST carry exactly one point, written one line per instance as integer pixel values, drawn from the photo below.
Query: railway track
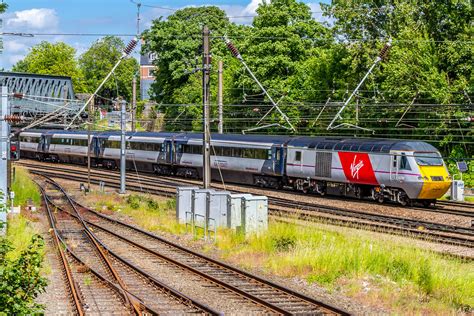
(145, 180)
(257, 295)
(442, 233)
(99, 280)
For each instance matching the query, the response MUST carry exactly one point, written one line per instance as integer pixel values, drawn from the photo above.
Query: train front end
(433, 174)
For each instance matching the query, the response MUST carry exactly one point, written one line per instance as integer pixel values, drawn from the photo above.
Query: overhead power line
(218, 36)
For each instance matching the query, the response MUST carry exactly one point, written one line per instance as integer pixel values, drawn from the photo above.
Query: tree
(283, 37)
(431, 58)
(52, 59)
(97, 62)
(177, 44)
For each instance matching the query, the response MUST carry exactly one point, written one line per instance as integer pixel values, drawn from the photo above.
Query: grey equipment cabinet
(184, 202)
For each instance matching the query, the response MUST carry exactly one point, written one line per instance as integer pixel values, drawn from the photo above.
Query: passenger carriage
(31, 144)
(65, 146)
(144, 151)
(251, 159)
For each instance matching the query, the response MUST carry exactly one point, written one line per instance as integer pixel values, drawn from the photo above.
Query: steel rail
(257, 300)
(103, 279)
(150, 180)
(77, 300)
(405, 224)
(181, 297)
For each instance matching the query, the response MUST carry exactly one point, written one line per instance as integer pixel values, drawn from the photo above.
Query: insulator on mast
(13, 118)
(384, 51)
(130, 47)
(232, 48)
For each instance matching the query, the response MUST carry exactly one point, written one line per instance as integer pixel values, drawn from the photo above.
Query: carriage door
(394, 166)
(166, 151)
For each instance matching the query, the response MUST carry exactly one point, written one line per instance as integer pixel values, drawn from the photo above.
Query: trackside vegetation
(21, 263)
(385, 272)
(24, 188)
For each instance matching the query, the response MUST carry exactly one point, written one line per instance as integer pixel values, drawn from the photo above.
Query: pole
(4, 144)
(206, 176)
(134, 101)
(220, 98)
(91, 106)
(122, 147)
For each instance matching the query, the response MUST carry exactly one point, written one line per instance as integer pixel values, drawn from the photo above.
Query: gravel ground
(430, 215)
(55, 298)
(301, 284)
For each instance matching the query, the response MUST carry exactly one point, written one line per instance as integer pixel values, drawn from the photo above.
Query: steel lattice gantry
(43, 94)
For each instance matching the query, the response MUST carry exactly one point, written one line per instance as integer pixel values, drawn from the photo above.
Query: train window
(277, 155)
(320, 145)
(115, 144)
(404, 164)
(298, 156)
(338, 146)
(355, 147)
(269, 154)
(428, 159)
(366, 147)
(377, 147)
(329, 146)
(227, 151)
(394, 159)
(237, 152)
(29, 139)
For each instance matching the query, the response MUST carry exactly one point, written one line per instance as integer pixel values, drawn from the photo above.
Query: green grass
(150, 213)
(329, 258)
(19, 233)
(25, 188)
(400, 277)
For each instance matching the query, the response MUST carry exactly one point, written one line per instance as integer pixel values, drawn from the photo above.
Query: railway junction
(295, 159)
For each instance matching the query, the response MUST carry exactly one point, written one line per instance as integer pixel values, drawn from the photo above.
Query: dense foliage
(52, 59)
(87, 71)
(97, 62)
(20, 277)
(304, 63)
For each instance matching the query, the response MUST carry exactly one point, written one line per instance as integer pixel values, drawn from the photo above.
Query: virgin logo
(355, 168)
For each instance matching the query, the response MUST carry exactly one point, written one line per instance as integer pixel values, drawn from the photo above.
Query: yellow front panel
(434, 189)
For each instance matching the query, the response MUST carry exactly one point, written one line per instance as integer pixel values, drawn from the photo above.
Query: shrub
(134, 201)
(152, 204)
(284, 243)
(20, 279)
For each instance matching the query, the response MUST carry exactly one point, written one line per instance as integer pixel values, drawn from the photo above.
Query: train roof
(136, 134)
(361, 144)
(273, 139)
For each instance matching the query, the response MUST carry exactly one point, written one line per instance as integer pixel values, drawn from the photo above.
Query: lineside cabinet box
(218, 208)
(457, 190)
(254, 214)
(183, 202)
(234, 210)
(200, 204)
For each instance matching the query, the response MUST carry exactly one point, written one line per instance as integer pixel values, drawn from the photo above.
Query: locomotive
(401, 171)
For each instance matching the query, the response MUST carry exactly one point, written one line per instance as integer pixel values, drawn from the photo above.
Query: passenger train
(401, 171)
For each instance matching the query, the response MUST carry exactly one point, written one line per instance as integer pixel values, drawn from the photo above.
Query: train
(400, 171)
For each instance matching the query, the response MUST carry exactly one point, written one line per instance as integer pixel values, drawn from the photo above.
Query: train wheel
(380, 198)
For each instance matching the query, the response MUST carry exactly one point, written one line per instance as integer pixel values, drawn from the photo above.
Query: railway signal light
(14, 150)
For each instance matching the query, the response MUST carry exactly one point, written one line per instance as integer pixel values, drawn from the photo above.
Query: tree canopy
(304, 64)
(97, 62)
(52, 59)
